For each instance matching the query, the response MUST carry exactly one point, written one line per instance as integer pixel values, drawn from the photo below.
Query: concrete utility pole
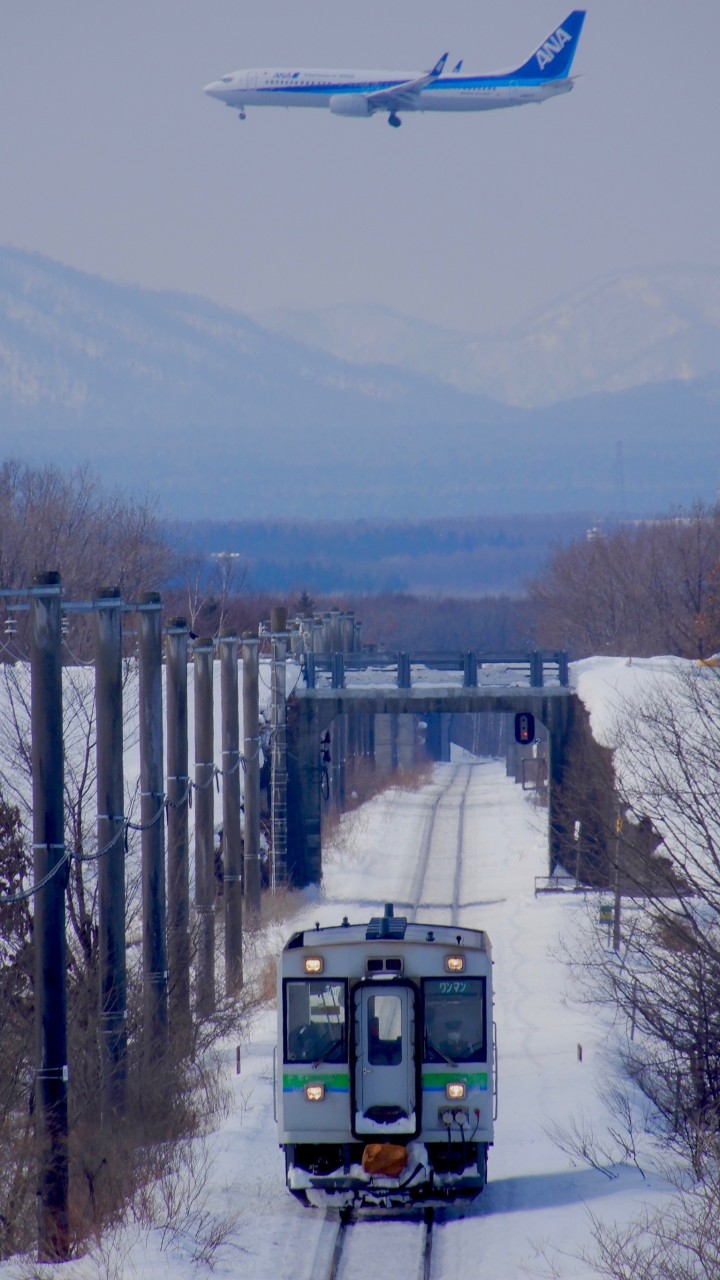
(204, 833)
(178, 791)
(278, 802)
(51, 1072)
(111, 863)
(152, 815)
(337, 739)
(232, 842)
(618, 894)
(251, 755)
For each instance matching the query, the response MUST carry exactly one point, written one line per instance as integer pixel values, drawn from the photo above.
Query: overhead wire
(165, 803)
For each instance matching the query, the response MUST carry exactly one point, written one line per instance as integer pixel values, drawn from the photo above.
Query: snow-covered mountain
(629, 329)
(221, 418)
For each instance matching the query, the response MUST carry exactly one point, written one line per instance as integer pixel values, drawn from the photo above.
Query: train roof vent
(387, 926)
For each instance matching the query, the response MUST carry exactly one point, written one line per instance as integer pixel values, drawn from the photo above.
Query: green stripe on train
(334, 1081)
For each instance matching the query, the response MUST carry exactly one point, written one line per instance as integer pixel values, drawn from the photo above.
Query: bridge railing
(534, 668)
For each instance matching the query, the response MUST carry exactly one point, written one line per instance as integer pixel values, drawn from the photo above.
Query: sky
(113, 160)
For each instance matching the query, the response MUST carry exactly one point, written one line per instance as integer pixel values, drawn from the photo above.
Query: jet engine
(350, 104)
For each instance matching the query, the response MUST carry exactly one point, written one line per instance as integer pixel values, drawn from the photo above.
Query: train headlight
(314, 964)
(316, 1092)
(454, 964)
(455, 1090)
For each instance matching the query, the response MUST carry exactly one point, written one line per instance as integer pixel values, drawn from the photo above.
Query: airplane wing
(403, 97)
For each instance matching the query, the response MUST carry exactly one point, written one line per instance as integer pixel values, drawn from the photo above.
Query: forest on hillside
(453, 556)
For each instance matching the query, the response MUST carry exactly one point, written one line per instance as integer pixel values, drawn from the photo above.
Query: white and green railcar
(386, 1084)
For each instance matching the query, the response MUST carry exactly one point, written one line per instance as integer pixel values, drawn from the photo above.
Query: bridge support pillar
(437, 736)
(406, 741)
(386, 742)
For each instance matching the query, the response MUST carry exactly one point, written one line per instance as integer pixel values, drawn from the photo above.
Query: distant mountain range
(630, 329)
(220, 417)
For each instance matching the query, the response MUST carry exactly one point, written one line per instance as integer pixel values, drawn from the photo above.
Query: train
(385, 1079)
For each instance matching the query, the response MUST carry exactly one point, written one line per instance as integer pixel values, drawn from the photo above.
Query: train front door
(385, 1069)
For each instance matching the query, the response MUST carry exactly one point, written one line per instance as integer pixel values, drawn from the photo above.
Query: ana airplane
(363, 93)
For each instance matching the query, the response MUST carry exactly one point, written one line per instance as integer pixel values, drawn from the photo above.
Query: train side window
(455, 1020)
(315, 1021)
(384, 1030)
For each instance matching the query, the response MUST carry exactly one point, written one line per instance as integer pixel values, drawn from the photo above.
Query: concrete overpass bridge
(311, 711)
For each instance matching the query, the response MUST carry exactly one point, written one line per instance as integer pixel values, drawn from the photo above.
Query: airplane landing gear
(241, 113)
(394, 120)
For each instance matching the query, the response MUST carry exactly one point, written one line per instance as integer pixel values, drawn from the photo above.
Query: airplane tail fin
(438, 68)
(553, 59)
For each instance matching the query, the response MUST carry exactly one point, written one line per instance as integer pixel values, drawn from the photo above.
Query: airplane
(363, 93)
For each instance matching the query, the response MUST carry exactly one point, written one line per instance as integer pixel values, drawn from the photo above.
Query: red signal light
(524, 728)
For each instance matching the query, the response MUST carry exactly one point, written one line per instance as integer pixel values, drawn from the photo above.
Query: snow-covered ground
(539, 1200)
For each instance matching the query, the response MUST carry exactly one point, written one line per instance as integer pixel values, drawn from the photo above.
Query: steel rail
(457, 878)
(424, 859)
(349, 1218)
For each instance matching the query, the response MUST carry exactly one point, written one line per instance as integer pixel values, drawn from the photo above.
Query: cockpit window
(455, 1021)
(315, 1021)
(227, 79)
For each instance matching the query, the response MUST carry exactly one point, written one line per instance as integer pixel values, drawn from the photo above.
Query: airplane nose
(214, 89)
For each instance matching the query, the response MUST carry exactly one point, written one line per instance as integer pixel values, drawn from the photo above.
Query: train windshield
(315, 1021)
(455, 1022)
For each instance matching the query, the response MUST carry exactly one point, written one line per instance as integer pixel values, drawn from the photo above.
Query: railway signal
(524, 728)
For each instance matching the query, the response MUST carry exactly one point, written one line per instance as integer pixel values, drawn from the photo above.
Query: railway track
(442, 803)
(352, 1244)
(348, 1244)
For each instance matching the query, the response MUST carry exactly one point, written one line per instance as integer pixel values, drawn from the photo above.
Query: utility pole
(111, 863)
(51, 1072)
(251, 755)
(232, 843)
(618, 893)
(178, 792)
(337, 738)
(152, 815)
(278, 801)
(204, 833)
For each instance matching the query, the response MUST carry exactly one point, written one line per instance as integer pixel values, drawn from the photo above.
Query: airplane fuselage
(283, 87)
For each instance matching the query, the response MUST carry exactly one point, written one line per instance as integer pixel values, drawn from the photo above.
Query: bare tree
(16, 1033)
(665, 976)
(642, 589)
(210, 589)
(679, 1242)
(95, 539)
(69, 521)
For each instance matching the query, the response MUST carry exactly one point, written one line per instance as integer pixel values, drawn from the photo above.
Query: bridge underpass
(311, 712)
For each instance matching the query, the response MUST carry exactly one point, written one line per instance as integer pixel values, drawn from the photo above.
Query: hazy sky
(113, 160)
